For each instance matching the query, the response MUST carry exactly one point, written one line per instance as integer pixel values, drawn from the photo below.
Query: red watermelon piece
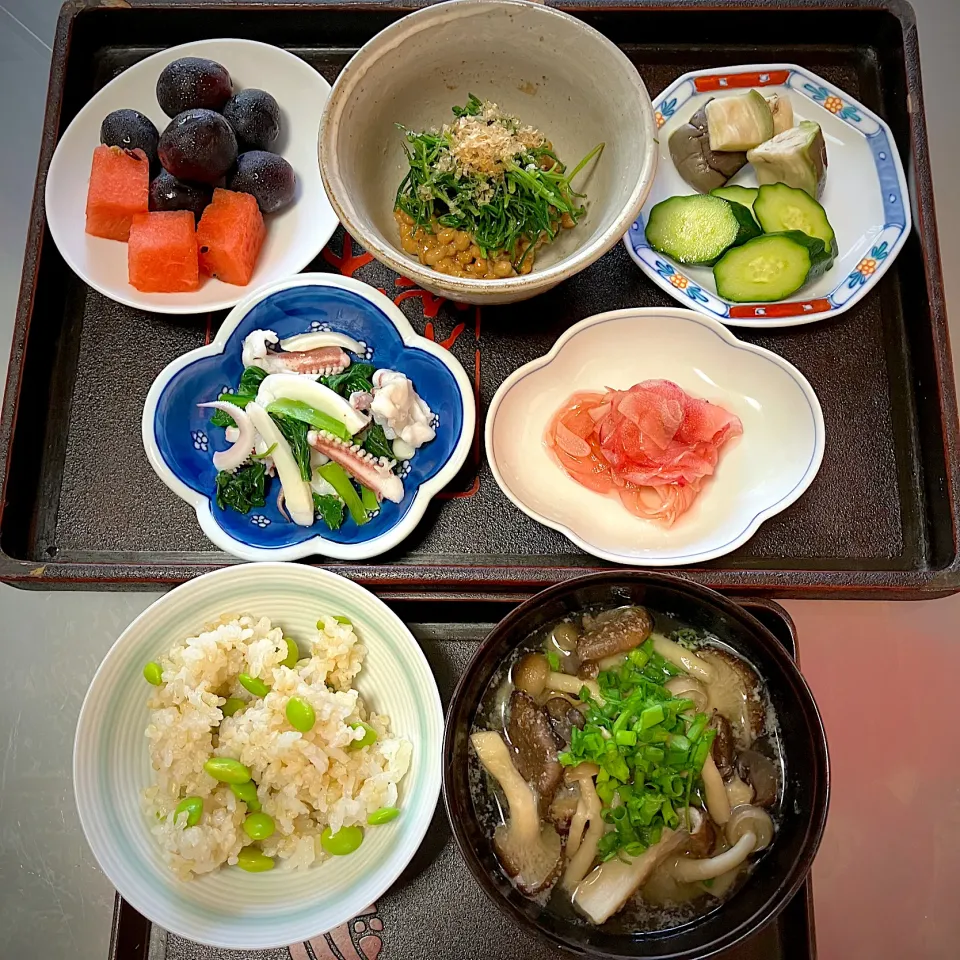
(119, 188)
(230, 235)
(162, 252)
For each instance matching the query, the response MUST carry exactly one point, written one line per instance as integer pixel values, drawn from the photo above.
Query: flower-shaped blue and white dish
(864, 194)
(763, 465)
(320, 377)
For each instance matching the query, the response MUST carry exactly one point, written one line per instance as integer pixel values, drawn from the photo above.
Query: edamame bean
(300, 714)
(293, 653)
(369, 736)
(253, 685)
(253, 860)
(382, 816)
(153, 673)
(344, 841)
(247, 792)
(232, 705)
(346, 621)
(227, 770)
(259, 826)
(192, 807)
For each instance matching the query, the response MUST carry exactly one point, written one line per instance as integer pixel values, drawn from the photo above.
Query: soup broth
(628, 769)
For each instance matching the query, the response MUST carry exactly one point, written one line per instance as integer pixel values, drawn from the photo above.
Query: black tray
(81, 506)
(417, 919)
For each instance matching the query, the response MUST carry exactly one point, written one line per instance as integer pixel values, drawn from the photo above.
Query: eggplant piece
(781, 109)
(739, 123)
(796, 157)
(701, 167)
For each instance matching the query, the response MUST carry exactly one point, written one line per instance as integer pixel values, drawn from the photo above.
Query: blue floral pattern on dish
(862, 265)
(185, 439)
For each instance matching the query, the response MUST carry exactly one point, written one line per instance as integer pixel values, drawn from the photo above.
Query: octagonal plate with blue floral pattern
(865, 196)
(180, 442)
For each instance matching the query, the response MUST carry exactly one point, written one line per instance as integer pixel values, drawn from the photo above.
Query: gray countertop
(896, 899)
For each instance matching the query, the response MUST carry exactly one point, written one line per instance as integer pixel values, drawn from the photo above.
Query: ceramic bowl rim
(432, 772)
(479, 290)
(801, 318)
(316, 545)
(726, 335)
(232, 294)
(503, 635)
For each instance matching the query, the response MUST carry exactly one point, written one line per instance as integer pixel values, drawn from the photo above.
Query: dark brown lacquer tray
(419, 918)
(81, 506)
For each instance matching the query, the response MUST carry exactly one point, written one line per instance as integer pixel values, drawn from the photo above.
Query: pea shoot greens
(511, 207)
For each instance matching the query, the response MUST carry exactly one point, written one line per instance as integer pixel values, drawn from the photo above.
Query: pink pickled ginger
(652, 445)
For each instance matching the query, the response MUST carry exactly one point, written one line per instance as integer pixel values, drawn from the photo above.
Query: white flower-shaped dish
(180, 442)
(759, 474)
(294, 235)
(866, 195)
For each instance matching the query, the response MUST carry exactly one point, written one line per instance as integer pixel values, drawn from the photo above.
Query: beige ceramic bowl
(548, 68)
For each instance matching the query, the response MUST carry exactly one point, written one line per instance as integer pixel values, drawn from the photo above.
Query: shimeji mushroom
(748, 829)
(582, 844)
(683, 658)
(716, 795)
(608, 887)
(529, 852)
(532, 674)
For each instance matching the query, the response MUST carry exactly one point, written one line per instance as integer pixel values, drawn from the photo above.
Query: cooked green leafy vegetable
(337, 477)
(243, 489)
(329, 509)
(250, 381)
(509, 210)
(295, 433)
(369, 500)
(298, 410)
(649, 747)
(375, 441)
(355, 379)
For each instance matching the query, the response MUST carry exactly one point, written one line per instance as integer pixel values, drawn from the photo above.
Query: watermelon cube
(162, 252)
(230, 234)
(119, 188)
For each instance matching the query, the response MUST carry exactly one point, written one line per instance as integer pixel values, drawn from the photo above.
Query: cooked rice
(305, 781)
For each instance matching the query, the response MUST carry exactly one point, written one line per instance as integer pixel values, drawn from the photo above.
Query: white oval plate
(294, 236)
(759, 474)
(866, 195)
(111, 765)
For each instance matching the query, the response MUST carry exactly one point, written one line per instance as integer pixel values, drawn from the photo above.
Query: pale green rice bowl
(140, 749)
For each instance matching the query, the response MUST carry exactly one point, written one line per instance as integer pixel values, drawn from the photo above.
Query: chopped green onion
(553, 660)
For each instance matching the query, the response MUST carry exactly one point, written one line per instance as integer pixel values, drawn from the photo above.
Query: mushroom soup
(628, 767)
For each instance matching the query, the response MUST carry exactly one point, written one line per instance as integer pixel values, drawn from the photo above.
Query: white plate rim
(715, 306)
(130, 296)
(432, 769)
(316, 545)
(664, 560)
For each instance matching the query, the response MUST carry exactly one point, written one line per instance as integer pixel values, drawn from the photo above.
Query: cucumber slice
(779, 208)
(769, 268)
(698, 229)
(737, 194)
